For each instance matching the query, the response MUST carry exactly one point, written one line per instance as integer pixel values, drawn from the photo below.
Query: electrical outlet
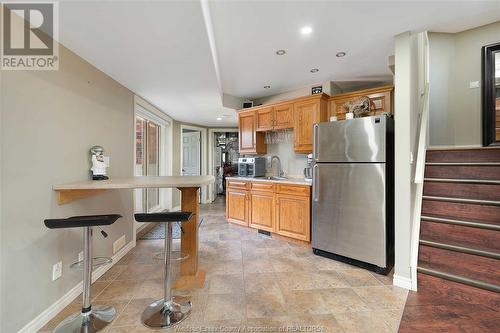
(56, 271)
(473, 84)
(80, 256)
(118, 244)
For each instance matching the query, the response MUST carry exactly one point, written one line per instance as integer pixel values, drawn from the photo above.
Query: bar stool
(165, 312)
(92, 318)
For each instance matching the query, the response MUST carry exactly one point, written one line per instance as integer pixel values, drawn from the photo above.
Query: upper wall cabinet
(283, 116)
(299, 114)
(381, 100)
(307, 113)
(251, 141)
(275, 117)
(265, 119)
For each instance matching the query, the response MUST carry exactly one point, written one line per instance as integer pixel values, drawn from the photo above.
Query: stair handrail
(422, 138)
(421, 155)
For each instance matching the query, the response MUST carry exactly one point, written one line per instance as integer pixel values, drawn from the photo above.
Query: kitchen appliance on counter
(251, 166)
(308, 168)
(353, 192)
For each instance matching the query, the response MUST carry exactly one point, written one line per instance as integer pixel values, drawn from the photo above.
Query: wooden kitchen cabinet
(237, 206)
(283, 116)
(275, 117)
(293, 217)
(251, 141)
(261, 210)
(381, 101)
(293, 211)
(306, 114)
(280, 208)
(265, 119)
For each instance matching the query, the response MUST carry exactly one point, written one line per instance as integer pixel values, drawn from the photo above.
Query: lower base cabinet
(279, 208)
(262, 211)
(293, 217)
(237, 206)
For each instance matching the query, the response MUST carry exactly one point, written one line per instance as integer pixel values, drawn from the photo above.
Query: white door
(191, 165)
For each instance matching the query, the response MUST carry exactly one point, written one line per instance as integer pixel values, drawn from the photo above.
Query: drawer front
(239, 184)
(302, 190)
(265, 187)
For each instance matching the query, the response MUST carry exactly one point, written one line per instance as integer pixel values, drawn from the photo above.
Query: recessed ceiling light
(280, 52)
(267, 87)
(340, 54)
(314, 70)
(219, 118)
(306, 30)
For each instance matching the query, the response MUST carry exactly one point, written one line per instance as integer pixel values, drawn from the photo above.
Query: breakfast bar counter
(191, 276)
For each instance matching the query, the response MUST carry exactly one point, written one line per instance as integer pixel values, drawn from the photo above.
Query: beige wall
(455, 109)
(49, 120)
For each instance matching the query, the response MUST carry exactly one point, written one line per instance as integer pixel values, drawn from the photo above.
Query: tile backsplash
(292, 164)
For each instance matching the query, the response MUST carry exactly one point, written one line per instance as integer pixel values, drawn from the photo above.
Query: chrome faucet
(280, 172)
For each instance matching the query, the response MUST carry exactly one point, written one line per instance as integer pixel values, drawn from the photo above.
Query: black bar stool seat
(169, 310)
(81, 221)
(163, 217)
(92, 318)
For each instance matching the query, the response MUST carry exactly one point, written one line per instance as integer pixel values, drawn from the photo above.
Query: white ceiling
(157, 49)
(161, 49)
(248, 33)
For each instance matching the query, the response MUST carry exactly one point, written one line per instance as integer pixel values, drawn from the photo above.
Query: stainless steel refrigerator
(353, 192)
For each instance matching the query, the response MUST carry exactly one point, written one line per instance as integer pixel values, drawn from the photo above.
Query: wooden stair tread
(464, 211)
(489, 192)
(461, 264)
(458, 235)
(464, 155)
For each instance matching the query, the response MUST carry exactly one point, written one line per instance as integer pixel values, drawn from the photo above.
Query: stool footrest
(175, 256)
(96, 262)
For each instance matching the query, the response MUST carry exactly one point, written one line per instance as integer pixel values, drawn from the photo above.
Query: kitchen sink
(276, 178)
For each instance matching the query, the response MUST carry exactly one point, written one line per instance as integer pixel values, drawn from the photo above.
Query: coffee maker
(308, 168)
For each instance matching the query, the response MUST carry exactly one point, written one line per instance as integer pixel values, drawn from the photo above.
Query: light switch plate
(473, 84)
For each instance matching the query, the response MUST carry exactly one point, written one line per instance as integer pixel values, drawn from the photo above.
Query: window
(147, 161)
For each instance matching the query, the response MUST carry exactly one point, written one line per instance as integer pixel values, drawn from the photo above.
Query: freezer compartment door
(349, 212)
(353, 140)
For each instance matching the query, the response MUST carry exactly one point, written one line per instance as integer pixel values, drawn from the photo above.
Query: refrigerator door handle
(315, 141)
(314, 184)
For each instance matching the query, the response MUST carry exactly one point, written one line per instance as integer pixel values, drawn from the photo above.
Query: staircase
(460, 219)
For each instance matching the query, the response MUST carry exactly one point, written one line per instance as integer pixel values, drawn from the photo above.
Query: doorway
(222, 159)
(191, 152)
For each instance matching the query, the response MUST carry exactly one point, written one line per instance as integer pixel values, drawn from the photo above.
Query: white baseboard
(401, 281)
(43, 318)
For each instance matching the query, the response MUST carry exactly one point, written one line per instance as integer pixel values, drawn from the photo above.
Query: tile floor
(253, 282)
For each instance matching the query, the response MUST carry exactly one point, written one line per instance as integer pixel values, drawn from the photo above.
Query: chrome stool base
(159, 315)
(99, 317)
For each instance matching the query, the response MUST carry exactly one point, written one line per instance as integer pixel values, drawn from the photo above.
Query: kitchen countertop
(297, 181)
(137, 182)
